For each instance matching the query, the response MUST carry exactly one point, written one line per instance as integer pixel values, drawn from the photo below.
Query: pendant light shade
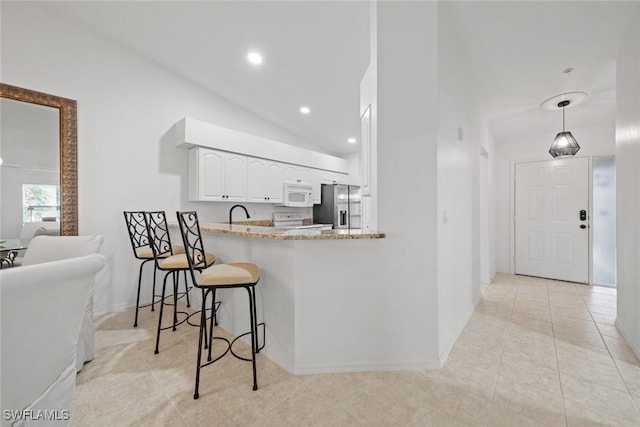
(564, 143)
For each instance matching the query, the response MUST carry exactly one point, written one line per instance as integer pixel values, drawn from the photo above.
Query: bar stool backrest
(137, 228)
(158, 231)
(192, 240)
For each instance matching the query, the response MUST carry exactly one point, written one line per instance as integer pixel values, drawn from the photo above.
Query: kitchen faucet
(237, 206)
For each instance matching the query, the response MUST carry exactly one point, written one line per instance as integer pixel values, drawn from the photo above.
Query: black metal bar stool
(220, 276)
(139, 237)
(140, 243)
(171, 264)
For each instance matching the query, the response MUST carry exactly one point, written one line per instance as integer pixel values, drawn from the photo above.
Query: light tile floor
(535, 352)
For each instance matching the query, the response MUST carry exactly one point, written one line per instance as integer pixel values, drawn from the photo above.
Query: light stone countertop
(245, 228)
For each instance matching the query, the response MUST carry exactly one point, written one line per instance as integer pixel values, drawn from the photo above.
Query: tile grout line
(495, 386)
(555, 347)
(615, 361)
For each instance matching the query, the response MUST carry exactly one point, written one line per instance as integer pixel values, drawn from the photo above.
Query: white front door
(552, 220)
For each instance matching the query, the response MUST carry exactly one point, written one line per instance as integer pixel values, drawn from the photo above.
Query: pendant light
(564, 143)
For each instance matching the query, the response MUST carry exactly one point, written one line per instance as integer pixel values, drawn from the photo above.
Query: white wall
(490, 146)
(369, 98)
(458, 186)
(126, 107)
(407, 174)
(627, 181)
(593, 141)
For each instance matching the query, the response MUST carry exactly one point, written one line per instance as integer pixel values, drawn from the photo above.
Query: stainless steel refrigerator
(339, 205)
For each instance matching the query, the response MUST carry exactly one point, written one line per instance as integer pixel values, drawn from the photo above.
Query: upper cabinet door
(328, 177)
(210, 175)
(274, 181)
(297, 173)
(315, 185)
(265, 180)
(256, 180)
(305, 174)
(235, 177)
(290, 172)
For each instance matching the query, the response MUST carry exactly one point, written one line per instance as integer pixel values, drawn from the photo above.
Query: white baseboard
(118, 308)
(626, 335)
(367, 367)
(444, 352)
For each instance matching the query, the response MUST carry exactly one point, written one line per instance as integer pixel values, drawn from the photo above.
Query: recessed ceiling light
(351, 140)
(305, 110)
(254, 58)
(567, 70)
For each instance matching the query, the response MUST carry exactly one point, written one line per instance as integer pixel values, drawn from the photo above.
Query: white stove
(294, 220)
(287, 219)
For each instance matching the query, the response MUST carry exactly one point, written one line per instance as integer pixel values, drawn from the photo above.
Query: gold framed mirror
(68, 149)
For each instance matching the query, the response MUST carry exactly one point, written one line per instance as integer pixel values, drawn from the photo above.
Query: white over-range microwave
(297, 194)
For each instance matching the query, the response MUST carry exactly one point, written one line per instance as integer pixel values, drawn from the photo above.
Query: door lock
(583, 226)
(583, 215)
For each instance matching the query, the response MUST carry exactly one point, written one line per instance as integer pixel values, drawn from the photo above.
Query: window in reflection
(40, 203)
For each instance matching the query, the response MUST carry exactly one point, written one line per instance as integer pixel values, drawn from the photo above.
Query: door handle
(583, 215)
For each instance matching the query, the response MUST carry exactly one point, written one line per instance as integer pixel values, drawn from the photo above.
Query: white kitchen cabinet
(341, 178)
(264, 180)
(326, 177)
(329, 177)
(297, 173)
(217, 176)
(316, 180)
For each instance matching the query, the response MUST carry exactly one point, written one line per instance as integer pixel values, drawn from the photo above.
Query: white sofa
(53, 248)
(42, 310)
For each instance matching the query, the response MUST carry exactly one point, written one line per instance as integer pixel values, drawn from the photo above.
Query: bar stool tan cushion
(240, 273)
(179, 261)
(147, 253)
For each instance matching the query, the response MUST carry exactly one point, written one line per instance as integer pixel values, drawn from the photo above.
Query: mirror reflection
(30, 176)
(38, 169)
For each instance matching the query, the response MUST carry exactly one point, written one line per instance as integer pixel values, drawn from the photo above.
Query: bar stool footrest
(248, 333)
(186, 318)
(228, 349)
(197, 325)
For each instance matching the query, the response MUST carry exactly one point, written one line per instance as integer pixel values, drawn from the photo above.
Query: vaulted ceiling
(315, 54)
(520, 49)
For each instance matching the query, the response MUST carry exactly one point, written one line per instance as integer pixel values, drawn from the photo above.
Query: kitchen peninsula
(313, 294)
(263, 230)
